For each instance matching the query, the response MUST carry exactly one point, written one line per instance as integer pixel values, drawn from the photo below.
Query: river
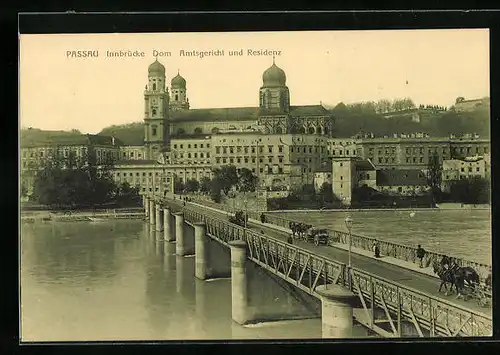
(84, 281)
(460, 233)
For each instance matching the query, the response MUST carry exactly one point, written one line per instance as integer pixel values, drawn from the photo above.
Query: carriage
(316, 235)
(239, 218)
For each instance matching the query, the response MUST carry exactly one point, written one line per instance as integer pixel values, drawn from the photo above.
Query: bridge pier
(145, 205)
(336, 311)
(180, 247)
(159, 219)
(201, 252)
(167, 225)
(152, 212)
(239, 282)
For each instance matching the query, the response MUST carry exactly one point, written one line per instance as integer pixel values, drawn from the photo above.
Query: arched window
(326, 130)
(153, 111)
(176, 97)
(215, 130)
(154, 86)
(302, 130)
(279, 130)
(198, 130)
(318, 130)
(311, 130)
(153, 130)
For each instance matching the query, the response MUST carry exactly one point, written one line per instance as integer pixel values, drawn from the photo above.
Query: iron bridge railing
(430, 316)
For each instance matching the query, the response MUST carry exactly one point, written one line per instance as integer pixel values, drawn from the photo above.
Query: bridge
(388, 300)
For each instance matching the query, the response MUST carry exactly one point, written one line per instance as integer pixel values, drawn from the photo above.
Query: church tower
(178, 95)
(156, 112)
(274, 94)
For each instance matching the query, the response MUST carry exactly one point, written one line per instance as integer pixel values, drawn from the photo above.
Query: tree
(215, 189)
(383, 106)
(326, 192)
(192, 185)
(227, 177)
(473, 191)
(127, 195)
(247, 180)
(434, 175)
(205, 184)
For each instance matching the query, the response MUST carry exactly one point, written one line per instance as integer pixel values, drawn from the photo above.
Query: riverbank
(440, 207)
(48, 216)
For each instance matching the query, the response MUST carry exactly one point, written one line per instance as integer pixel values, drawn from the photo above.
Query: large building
(283, 144)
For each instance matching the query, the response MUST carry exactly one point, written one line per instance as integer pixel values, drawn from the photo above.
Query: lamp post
(348, 222)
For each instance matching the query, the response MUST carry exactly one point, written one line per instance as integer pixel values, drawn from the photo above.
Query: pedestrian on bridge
(262, 218)
(420, 255)
(376, 249)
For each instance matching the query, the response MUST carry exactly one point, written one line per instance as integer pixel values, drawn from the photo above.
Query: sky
(61, 92)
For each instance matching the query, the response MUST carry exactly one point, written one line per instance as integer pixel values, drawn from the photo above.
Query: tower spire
(273, 58)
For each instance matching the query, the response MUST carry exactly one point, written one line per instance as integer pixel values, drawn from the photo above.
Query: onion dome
(178, 82)
(274, 76)
(156, 68)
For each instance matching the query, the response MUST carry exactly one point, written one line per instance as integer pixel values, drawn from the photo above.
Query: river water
(84, 281)
(460, 233)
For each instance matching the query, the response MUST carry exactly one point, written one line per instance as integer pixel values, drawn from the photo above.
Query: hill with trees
(129, 134)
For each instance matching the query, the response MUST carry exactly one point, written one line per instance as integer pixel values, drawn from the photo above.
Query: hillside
(350, 122)
(129, 134)
(31, 136)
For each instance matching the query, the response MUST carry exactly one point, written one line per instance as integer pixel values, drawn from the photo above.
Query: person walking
(420, 255)
(262, 218)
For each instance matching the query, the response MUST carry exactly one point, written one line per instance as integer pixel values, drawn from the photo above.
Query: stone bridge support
(152, 212)
(239, 282)
(201, 251)
(145, 205)
(336, 311)
(159, 220)
(168, 234)
(179, 234)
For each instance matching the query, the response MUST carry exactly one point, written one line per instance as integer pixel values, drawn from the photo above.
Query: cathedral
(168, 115)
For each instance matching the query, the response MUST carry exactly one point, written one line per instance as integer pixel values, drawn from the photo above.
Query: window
(231, 150)
(260, 160)
(238, 160)
(261, 149)
(189, 146)
(341, 164)
(270, 148)
(153, 130)
(462, 169)
(224, 160)
(231, 160)
(217, 160)
(182, 146)
(224, 150)
(477, 169)
(341, 185)
(367, 176)
(253, 160)
(470, 169)
(261, 170)
(208, 155)
(245, 150)
(421, 159)
(380, 160)
(196, 155)
(310, 150)
(280, 170)
(270, 159)
(189, 155)
(201, 155)
(217, 150)
(280, 148)
(341, 178)
(238, 149)
(280, 159)
(340, 152)
(246, 160)
(414, 159)
(175, 146)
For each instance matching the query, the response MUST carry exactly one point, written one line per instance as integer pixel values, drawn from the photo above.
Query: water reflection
(169, 257)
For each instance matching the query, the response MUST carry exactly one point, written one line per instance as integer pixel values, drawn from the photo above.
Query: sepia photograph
(231, 186)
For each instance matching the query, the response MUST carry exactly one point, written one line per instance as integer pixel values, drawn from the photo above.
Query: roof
(365, 164)
(402, 177)
(40, 138)
(137, 162)
(309, 110)
(325, 169)
(216, 114)
(296, 111)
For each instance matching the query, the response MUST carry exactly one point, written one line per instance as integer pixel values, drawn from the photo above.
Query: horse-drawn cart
(318, 236)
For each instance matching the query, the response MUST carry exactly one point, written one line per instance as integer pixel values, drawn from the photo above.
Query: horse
(451, 275)
(469, 275)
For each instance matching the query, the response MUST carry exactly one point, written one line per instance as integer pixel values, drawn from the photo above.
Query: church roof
(296, 111)
(273, 76)
(156, 68)
(400, 177)
(216, 114)
(178, 81)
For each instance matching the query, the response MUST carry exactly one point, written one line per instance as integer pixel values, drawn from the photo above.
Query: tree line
(75, 182)
(225, 179)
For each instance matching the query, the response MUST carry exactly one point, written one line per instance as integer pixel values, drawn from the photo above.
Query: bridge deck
(416, 280)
